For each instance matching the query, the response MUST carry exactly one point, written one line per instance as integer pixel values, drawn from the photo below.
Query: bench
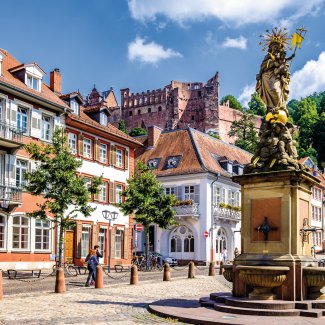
(122, 267)
(12, 274)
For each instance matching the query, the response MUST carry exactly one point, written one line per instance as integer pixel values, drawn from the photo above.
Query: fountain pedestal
(275, 206)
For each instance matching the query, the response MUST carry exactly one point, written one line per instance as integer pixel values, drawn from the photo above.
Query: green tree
(293, 108)
(321, 108)
(319, 139)
(138, 131)
(256, 105)
(233, 102)
(122, 126)
(65, 194)
(144, 196)
(244, 131)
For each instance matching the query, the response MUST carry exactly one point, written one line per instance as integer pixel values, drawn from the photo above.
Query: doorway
(69, 240)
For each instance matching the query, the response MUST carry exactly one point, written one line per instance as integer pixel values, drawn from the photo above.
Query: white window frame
(118, 195)
(43, 228)
(170, 190)
(75, 107)
(20, 227)
(189, 192)
(102, 239)
(85, 231)
(103, 119)
(33, 82)
(46, 128)
(4, 225)
(21, 182)
(119, 158)
(118, 241)
(102, 195)
(22, 118)
(87, 146)
(103, 153)
(72, 138)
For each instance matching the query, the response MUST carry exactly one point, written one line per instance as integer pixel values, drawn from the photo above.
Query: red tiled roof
(110, 129)
(7, 78)
(197, 150)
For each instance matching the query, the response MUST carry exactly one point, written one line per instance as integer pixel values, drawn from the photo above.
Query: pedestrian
(98, 252)
(236, 253)
(224, 255)
(92, 263)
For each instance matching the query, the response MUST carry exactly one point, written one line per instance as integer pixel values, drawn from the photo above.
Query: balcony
(10, 195)
(10, 136)
(226, 213)
(191, 210)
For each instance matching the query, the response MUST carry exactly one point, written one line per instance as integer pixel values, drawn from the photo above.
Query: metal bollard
(60, 281)
(134, 275)
(211, 269)
(191, 273)
(99, 282)
(167, 275)
(1, 289)
(221, 268)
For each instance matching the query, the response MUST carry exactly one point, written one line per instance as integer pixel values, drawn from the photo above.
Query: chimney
(153, 135)
(56, 81)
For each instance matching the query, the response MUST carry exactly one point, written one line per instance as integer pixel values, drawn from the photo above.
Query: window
(21, 170)
(231, 198)
(182, 240)
(139, 111)
(159, 109)
(87, 148)
(149, 110)
(118, 193)
(119, 158)
(33, 82)
(170, 191)
(192, 117)
(74, 106)
(72, 142)
(103, 192)
(85, 236)
(118, 243)
(103, 153)
(22, 119)
(102, 235)
(42, 234)
(189, 193)
(216, 195)
(3, 229)
(103, 119)
(46, 128)
(20, 232)
(130, 113)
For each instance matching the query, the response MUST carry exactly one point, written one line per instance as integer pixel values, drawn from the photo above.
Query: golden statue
(277, 149)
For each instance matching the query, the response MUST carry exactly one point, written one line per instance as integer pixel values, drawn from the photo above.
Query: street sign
(138, 227)
(206, 234)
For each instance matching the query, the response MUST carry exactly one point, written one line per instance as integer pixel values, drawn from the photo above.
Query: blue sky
(144, 44)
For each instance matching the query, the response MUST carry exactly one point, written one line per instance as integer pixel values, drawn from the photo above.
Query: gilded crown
(276, 35)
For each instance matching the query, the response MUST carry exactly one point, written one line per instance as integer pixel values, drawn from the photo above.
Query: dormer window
(74, 106)
(33, 82)
(172, 162)
(1, 59)
(103, 119)
(154, 163)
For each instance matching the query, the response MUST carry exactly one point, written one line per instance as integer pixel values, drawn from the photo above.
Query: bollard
(59, 281)
(1, 289)
(134, 275)
(211, 269)
(191, 273)
(167, 276)
(221, 268)
(99, 282)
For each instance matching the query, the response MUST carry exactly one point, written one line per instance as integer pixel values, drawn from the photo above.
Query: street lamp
(110, 216)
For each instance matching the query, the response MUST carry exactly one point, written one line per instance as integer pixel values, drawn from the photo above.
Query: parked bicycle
(69, 269)
(147, 264)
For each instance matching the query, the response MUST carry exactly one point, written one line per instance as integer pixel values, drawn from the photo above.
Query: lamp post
(110, 216)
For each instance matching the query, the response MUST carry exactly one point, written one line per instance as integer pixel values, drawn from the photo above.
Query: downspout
(212, 255)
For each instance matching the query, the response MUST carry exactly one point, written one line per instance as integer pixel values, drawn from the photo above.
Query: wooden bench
(12, 274)
(122, 267)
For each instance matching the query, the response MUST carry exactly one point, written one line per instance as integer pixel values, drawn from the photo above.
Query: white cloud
(246, 94)
(309, 79)
(235, 12)
(239, 43)
(149, 52)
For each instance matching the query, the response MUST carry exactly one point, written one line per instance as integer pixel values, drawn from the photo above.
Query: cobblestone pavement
(115, 304)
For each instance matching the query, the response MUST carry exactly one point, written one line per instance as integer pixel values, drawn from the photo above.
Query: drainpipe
(212, 257)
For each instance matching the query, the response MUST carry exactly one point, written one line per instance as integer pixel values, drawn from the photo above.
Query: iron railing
(10, 132)
(187, 210)
(226, 213)
(10, 193)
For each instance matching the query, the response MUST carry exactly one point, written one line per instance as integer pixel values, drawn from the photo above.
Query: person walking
(98, 252)
(224, 255)
(92, 263)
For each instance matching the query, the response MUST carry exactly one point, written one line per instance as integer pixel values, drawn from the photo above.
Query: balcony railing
(226, 213)
(187, 210)
(10, 133)
(10, 194)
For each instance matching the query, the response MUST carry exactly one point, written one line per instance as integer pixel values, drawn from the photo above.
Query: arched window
(221, 240)
(3, 232)
(182, 240)
(42, 234)
(20, 232)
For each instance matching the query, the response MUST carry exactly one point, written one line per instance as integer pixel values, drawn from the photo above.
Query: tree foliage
(144, 196)
(319, 139)
(256, 105)
(122, 126)
(55, 178)
(138, 131)
(233, 102)
(245, 133)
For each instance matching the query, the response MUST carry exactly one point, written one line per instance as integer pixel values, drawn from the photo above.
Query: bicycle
(69, 269)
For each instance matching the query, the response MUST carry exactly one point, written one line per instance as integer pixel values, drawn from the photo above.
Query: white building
(197, 169)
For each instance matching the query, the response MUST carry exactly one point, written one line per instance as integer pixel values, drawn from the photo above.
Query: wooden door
(69, 239)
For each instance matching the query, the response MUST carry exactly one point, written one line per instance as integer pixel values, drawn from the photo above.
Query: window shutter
(94, 235)
(80, 144)
(12, 112)
(108, 154)
(179, 193)
(229, 197)
(79, 233)
(113, 233)
(126, 244)
(197, 193)
(11, 167)
(126, 159)
(111, 192)
(113, 155)
(35, 130)
(96, 149)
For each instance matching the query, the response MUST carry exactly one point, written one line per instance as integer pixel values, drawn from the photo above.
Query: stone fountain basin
(228, 272)
(315, 281)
